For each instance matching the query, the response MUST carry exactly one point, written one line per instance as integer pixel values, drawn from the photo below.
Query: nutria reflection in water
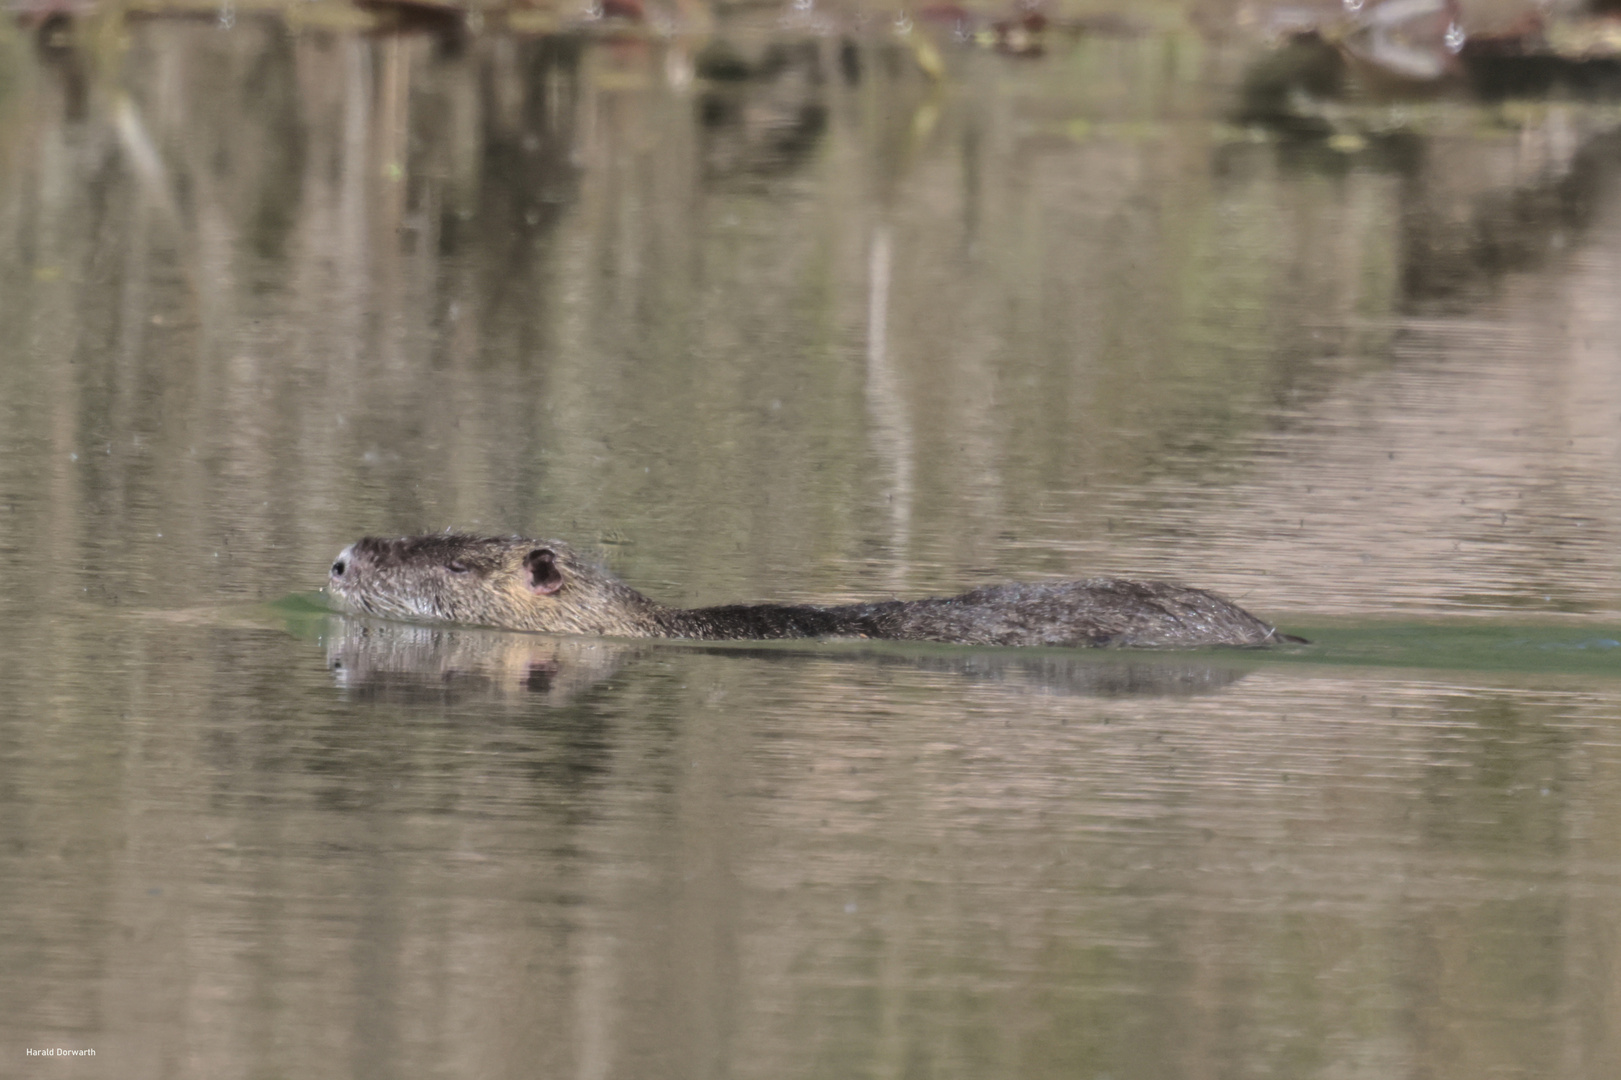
(401, 662)
(516, 583)
(382, 660)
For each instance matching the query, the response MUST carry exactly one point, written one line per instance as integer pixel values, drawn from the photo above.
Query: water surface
(836, 332)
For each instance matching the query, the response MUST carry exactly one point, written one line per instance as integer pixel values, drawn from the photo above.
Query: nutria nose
(341, 563)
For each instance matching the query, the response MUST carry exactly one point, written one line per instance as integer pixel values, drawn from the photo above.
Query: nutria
(522, 584)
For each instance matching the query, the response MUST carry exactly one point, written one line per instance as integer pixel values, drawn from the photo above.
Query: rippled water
(836, 332)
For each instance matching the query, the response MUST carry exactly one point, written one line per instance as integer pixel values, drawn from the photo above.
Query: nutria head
(512, 582)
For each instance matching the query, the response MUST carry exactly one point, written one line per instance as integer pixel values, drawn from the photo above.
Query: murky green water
(834, 333)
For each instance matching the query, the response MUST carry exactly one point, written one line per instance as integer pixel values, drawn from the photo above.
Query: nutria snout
(519, 583)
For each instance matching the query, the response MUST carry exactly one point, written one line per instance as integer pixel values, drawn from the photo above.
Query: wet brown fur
(521, 584)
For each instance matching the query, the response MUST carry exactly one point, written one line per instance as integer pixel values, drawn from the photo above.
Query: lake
(798, 313)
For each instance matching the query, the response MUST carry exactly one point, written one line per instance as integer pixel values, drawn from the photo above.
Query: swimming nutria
(521, 584)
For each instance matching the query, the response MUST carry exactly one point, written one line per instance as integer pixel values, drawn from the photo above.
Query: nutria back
(522, 584)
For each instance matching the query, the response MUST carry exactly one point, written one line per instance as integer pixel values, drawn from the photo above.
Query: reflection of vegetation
(761, 118)
(15, 61)
(568, 274)
(1508, 227)
(1280, 86)
(269, 99)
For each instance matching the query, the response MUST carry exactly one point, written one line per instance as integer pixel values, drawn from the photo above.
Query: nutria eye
(456, 566)
(338, 568)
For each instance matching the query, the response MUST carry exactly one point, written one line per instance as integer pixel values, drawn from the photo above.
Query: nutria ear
(544, 576)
